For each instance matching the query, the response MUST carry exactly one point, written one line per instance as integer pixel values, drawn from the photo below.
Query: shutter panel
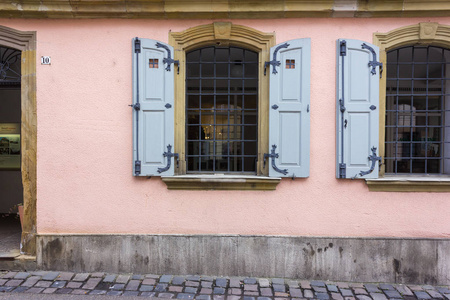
(358, 73)
(289, 109)
(153, 113)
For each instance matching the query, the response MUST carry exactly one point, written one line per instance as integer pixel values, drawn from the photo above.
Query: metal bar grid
(10, 66)
(221, 110)
(415, 106)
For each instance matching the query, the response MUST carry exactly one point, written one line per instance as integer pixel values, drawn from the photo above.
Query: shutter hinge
(137, 45)
(274, 155)
(343, 48)
(373, 158)
(169, 156)
(274, 62)
(374, 63)
(137, 167)
(342, 170)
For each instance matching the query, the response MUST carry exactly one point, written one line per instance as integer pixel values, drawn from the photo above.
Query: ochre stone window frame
(25, 41)
(221, 34)
(432, 34)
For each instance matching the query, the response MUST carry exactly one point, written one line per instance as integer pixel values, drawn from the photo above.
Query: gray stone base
(424, 261)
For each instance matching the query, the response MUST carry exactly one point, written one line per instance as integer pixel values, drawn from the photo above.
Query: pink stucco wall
(85, 184)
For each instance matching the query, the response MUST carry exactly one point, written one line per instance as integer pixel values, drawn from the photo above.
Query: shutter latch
(342, 170)
(374, 158)
(374, 63)
(137, 167)
(169, 156)
(136, 106)
(274, 62)
(274, 155)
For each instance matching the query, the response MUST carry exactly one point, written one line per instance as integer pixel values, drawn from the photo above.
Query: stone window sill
(426, 183)
(220, 182)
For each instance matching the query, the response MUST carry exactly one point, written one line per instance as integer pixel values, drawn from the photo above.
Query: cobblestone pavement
(209, 288)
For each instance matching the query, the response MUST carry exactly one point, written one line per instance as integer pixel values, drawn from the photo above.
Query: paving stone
(30, 281)
(428, 287)
(160, 287)
(317, 283)
(65, 276)
(235, 283)
(192, 283)
(422, 295)
(6, 288)
(322, 296)
(337, 296)
(346, 292)
(308, 294)
(50, 276)
(221, 282)
(267, 292)
(2, 281)
(118, 286)
(98, 292)
(342, 285)
(415, 287)
(149, 288)
(190, 290)
(279, 288)
(97, 274)
(81, 277)
(79, 292)
(123, 278)
(435, 294)
(249, 298)
(392, 294)
(49, 291)
(178, 280)
(137, 277)
(349, 298)
(20, 289)
(118, 293)
(378, 296)
(74, 285)
(372, 288)
(9, 275)
(296, 293)
(149, 281)
(206, 291)
(203, 297)
(447, 296)
(219, 291)
(293, 284)
(279, 281)
(59, 284)
(356, 285)
(360, 291)
(207, 284)
(305, 284)
(263, 282)
(363, 297)
(404, 290)
(130, 293)
(109, 278)
(233, 297)
(250, 280)
(219, 297)
(332, 288)
(165, 279)
(385, 286)
(13, 282)
(34, 290)
(38, 273)
(91, 283)
(22, 275)
(278, 294)
(250, 293)
(319, 289)
(63, 291)
(251, 287)
(132, 285)
(193, 278)
(183, 296)
(237, 291)
(264, 298)
(443, 290)
(207, 278)
(152, 276)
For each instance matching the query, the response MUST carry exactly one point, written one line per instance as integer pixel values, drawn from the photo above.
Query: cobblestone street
(208, 288)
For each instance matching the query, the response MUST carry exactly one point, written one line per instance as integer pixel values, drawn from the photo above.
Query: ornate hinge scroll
(274, 155)
(169, 60)
(374, 63)
(274, 62)
(374, 158)
(169, 156)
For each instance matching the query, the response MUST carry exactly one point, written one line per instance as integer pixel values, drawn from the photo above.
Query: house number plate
(46, 60)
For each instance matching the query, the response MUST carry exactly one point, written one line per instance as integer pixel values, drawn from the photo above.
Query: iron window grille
(418, 111)
(221, 110)
(10, 68)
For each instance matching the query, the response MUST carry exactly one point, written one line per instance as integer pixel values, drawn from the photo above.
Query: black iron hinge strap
(168, 60)
(373, 63)
(274, 155)
(169, 156)
(343, 53)
(137, 106)
(274, 62)
(373, 158)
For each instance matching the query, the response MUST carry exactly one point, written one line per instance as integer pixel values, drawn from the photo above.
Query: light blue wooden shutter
(288, 154)
(153, 112)
(358, 73)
